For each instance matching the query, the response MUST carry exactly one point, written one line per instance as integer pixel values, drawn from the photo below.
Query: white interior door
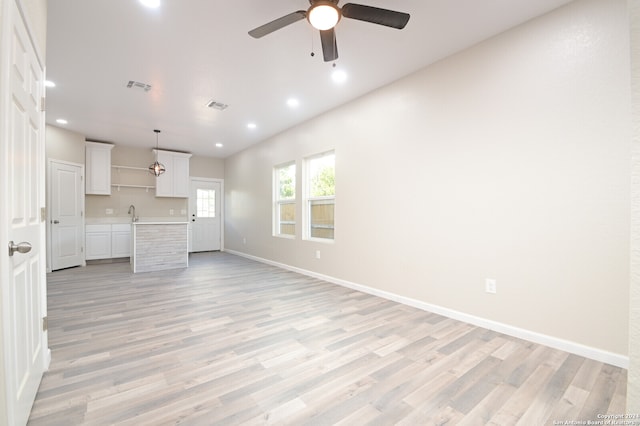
(22, 196)
(66, 214)
(205, 215)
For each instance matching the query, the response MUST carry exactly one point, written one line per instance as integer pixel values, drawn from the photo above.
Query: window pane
(322, 176)
(287, 218)
(287, 182)
(284, 200)
(322, 219)
(205, 202)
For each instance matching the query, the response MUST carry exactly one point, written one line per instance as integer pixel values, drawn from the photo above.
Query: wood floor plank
(515, 407)
(541, 408)
(231, 341)
(599, 399)
(570, 404)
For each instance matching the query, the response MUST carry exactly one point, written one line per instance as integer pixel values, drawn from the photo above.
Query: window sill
(284, 236)
(320, 240)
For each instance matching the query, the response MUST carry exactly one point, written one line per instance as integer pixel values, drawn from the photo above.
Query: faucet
(132, 209)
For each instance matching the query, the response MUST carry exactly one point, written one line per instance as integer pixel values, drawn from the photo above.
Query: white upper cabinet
(98, 168)
(174, 182)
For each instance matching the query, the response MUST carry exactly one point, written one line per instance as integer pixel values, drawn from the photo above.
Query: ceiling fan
(325, 14)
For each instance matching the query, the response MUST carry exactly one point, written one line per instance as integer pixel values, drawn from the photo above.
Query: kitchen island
(157, 246)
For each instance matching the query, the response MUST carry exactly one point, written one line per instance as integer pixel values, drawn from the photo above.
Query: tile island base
(157, 246)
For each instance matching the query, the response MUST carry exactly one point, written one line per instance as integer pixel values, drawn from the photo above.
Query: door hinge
(42, 104)
(43, 214)
(45, 323)
(81, 249)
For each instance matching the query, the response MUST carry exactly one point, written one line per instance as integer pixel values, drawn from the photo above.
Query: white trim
(596, 354)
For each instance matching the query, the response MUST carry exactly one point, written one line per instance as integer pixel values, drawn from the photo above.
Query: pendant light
(157, 168)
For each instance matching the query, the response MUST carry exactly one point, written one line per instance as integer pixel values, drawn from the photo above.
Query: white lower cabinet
(121, 240)
(98, 242)
(107, 241)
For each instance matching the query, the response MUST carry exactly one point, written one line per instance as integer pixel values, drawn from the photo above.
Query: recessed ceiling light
(61, 121)
(152, 4)
(339, 76)
(219, 145)
(293, 102)
(252, 125)
(48, 83)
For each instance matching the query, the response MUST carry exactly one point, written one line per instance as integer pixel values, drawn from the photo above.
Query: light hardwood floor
(232, 341)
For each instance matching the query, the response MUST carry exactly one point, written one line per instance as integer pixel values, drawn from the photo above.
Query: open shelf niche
(131, 174)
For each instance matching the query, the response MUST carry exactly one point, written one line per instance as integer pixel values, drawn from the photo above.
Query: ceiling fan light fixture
(157, 168)
(324, 15)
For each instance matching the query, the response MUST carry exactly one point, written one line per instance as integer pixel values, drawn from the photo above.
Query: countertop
(126, 220)
(160, 223)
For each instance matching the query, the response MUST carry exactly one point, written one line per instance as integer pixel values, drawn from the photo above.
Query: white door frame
(221, 182)
(50, 161)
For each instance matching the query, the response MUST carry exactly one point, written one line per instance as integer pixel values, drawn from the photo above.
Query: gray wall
(64, 145)
(508, 161)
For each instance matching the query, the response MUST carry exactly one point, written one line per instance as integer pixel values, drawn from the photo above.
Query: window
(285, 200)
(205, 202)
(321, 193)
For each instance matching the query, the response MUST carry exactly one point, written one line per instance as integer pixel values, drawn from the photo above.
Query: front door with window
(204, 215)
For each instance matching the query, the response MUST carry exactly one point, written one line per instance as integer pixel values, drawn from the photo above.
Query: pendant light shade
(157, 168)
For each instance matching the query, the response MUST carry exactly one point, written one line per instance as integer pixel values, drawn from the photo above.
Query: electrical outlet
(317, 254)
(490, 286)
(244, 241)
(170, 212)
(108, 211)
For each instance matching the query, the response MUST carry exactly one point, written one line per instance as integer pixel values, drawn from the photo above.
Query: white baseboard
(596, 354)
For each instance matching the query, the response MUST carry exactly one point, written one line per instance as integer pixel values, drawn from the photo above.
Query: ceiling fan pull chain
(313, 53)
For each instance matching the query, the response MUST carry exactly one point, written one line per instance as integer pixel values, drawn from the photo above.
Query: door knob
(56, 221)
(23, 247)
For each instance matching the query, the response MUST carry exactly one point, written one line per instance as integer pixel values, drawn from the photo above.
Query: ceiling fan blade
(375, 15)
(329, 45)
(276, 24)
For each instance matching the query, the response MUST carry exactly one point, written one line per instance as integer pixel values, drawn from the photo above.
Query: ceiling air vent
(131, 84)
(217, 105)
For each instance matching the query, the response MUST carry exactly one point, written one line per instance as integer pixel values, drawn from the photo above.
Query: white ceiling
(193, 51)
